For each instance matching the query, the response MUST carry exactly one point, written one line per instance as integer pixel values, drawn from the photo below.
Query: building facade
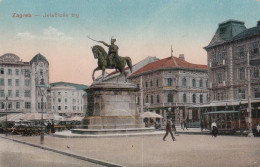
(68, 98)
(234, 60)
(19, 83)
(169, 86)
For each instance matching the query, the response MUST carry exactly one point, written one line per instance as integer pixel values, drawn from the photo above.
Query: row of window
(27, 105)
(66, 100)
(27, 93)
(59, 93)
(170, 98)
(17, 72)
(254, 72)
(17, 82)
(74, 108)
(253, 49)
(184, 83)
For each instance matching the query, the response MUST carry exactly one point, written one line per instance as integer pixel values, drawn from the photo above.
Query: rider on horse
(112, 51)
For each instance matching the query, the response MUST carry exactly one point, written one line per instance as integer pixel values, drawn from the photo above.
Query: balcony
(169, 87)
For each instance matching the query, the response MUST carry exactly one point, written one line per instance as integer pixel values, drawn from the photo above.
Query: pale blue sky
(142, 28)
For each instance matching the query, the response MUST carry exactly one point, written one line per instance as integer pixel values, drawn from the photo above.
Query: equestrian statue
(110, 60)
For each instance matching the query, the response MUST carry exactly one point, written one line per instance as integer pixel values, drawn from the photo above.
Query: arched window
(152, 99)
(194, 98)
(170, 98)
(201, 83)
(169, 82)
(184, 98)
(184, 82)
(193, 83)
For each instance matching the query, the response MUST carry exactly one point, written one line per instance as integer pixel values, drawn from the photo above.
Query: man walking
(168, 130)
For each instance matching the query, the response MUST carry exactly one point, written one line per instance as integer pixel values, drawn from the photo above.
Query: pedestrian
(182, 125)
(168, 130)
(201, 125)
(258, 128)
(214, 129)
(185, 125)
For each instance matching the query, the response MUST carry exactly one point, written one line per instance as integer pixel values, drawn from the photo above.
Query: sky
(141, 27)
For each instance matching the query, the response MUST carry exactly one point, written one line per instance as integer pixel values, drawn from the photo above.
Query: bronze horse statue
(103, 63)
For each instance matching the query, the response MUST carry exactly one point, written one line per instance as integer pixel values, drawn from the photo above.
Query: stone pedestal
(112, 106)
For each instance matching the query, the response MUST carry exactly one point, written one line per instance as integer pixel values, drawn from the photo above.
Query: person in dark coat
(52, 128)
(201, 125)
(168, 130)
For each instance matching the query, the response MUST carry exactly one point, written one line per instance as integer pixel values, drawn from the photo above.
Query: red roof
(168, 63)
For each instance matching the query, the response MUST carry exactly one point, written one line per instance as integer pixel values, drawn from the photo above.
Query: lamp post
(41, 89)
(250, 133)
(6, 116)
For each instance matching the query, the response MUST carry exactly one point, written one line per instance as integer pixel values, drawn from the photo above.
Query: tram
(230, 121)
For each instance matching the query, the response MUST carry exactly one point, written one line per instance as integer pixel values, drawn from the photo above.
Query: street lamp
(6, 116)
(42, 91)
(250, 133)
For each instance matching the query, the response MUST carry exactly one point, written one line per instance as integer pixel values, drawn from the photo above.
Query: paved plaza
(149, 151)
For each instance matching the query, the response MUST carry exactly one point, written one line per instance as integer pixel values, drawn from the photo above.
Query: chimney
(181, 56)
(258, 23)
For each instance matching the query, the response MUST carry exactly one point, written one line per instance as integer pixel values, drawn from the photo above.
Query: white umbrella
(150, 115)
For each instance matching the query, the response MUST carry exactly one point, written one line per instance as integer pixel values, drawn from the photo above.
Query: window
(59, 99)
(158, 99)
(65, 100)
(242, 73)
(26, 73)
(16, 82)
(41, 72)
(138, 86)
(9, 93)
(2, 105)
(151, 83)
(219, 58)
(157, 83)
(9, 82)
(146, 99)
(10, 105)
(9, 71)
(169, 82)
(27, 93)
(201, 83)
(2, 71)
(241, 52)
(138, 100)
(2, 93)
(241, 93)
(194, 98)
(39, 105)
(193, 83)
(74, 108)
(27, 105)
(27, 82)
(66, 107)
(184, 98)
(170, 98)
(59, 107)
(255, 48)
(17, 105)
(2, 81)
(219, 78)
(201, 98)
(17, 71)
(59, 93)
(146, 84)
(184, 82)
(17, 93)
(207, 83)
(257, 93)
(151, 99)
(255, 72)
